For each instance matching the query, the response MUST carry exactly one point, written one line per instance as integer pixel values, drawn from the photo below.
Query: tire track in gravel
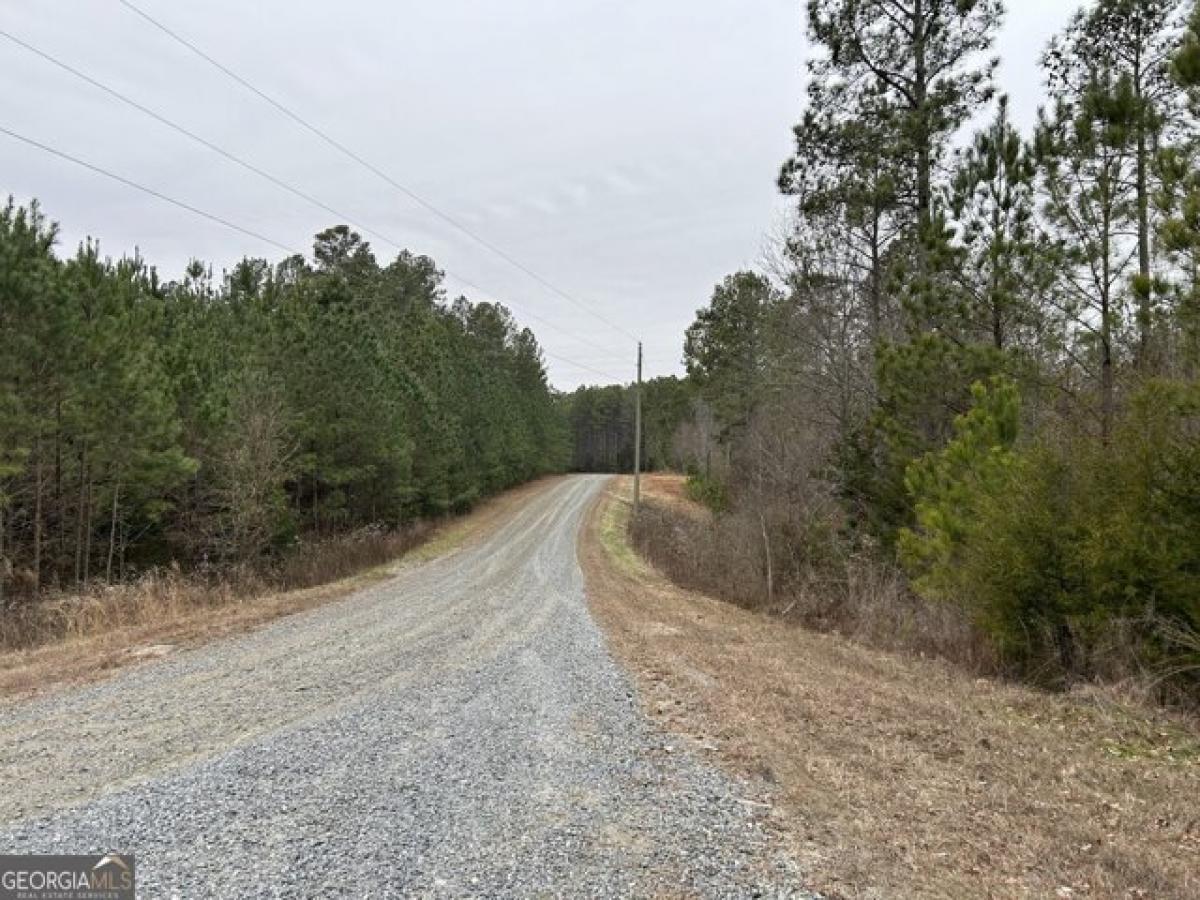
(200, 702)
(458, 730)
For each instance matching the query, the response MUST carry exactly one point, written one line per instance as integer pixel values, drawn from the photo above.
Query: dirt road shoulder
(80, 660)
(902, 777)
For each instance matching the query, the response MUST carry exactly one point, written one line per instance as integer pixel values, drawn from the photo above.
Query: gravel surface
(459, 730)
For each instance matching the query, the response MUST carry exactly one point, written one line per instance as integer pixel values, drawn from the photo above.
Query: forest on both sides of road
(958, 411)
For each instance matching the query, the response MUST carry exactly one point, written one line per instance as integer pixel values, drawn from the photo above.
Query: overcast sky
(625, 151)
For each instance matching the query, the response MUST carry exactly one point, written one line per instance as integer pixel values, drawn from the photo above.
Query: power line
(212, 217)
(346, 151)
(261, 173)
(586, 368)
(146, 190)
(112, 92)
(623, 357)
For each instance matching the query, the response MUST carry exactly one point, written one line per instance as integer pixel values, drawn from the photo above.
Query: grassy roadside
(130, 624)
(904, 777)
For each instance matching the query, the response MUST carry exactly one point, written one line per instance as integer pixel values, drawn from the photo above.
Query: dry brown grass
(853, 597)
(71, 638)
(670, 489)
(898, 776)
(168, 594)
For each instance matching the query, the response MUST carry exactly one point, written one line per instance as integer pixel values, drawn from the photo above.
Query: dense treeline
(218, 419)
(601, 421)
(979, 356)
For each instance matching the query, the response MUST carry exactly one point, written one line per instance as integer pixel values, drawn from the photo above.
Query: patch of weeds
(614, 535)
(1172, 746)
(448, 538)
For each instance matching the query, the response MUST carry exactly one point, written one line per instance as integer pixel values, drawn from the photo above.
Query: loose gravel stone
(458, 731)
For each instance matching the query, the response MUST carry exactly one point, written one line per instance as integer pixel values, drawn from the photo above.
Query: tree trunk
(112, 532)
(1143, 224)
(1191, 335)
(997, 306)
(79, 513)
(5, 566)
(315, 517)
(37, 516)
(1068, 658)
(920, 111)
(762, 524)
(875, 311)
(124, 547)
(60, 507)
(87, 534)
(1106, 361)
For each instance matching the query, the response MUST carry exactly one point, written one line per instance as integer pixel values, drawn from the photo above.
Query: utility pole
(637, 436)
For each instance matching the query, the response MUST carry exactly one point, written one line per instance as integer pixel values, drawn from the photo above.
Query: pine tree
(1087, 148)
(946, 487)
(909, 71)
(1131, 43)
(119, 411)
(725, 348)
(1179, 199)
(35, 322)
(847, 188)
(992, 202)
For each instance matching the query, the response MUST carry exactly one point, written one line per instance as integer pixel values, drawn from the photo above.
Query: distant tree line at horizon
(601, 422)
(217, 420)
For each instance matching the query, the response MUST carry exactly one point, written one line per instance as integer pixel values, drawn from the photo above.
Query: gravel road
(459, 730)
